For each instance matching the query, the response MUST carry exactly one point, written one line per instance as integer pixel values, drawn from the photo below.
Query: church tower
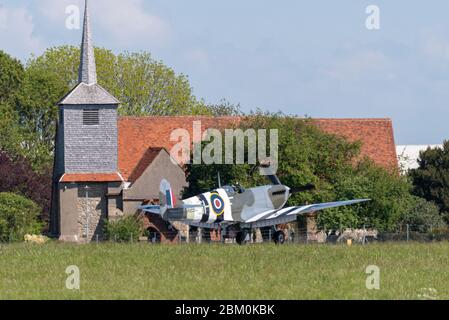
(86, 156)
(89, 118)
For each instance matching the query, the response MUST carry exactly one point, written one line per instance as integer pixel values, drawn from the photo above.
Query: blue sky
(312, 58)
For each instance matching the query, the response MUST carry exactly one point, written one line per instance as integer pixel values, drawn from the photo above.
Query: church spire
(87, 70)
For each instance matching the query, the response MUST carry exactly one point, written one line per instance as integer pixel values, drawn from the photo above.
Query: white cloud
(125, 22)
(17, 32)
(54, 10)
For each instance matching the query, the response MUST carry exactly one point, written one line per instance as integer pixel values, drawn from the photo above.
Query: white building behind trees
(408, 155)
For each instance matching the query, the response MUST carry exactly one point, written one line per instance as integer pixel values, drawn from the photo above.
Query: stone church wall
(92, 211)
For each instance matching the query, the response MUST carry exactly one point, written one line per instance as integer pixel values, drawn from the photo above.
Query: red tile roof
(137, 134)
(139, 137)
(376, 135)
(91, 177)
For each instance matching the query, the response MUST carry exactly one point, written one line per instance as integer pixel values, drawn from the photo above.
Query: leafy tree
(389, 193)
(38, 111)
(224, 108)
(17, 175)
(431, 178)
(308, 155)
(143, 85)
(18, 217)
(148, 87)
(10, 133)
(11, 76)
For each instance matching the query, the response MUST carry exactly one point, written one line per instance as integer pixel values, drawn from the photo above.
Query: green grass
(138, 271)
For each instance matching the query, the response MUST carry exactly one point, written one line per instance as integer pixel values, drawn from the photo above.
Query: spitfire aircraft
(233, 206)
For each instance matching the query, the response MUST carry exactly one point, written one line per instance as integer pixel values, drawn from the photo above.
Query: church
(105, 165)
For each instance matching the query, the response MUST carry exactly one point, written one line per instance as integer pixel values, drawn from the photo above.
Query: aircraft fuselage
(229, 204)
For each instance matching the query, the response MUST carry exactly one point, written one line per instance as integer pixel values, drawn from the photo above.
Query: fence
(293, 235)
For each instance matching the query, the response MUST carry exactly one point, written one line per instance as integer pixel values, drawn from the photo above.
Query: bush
(18, 217)
(423, 216)
(123, 230)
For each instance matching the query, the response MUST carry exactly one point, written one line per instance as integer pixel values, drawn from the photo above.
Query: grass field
(138, 271)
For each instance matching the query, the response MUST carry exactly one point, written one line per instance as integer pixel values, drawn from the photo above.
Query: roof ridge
(242, 116)
(353, 119)
(179, 116)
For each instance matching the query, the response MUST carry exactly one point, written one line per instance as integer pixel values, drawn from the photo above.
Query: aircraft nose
(279, 195)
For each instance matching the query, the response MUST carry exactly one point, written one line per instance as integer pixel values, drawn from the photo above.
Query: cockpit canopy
(232, 190)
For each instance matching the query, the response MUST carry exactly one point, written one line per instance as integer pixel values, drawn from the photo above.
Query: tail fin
(166, 197)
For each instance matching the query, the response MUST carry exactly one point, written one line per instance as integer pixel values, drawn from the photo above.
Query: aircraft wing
(289, 214)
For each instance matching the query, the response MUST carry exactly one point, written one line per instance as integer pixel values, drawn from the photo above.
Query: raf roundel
(217, 203)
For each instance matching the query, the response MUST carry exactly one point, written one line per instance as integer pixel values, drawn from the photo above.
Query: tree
(10, 132)
(308, 155)
(17, 176)
(38, 111)
(18, 217)
(224, 108)
(148, 87)
(389, 192)
(143, 85)
(431, 178)
(11, 76)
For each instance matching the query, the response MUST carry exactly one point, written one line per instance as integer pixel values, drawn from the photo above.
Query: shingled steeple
(88, 91)
(87, 69)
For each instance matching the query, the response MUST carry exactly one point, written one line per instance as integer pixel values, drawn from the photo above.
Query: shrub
(423, 216)
(123, 230)
(18, 217)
